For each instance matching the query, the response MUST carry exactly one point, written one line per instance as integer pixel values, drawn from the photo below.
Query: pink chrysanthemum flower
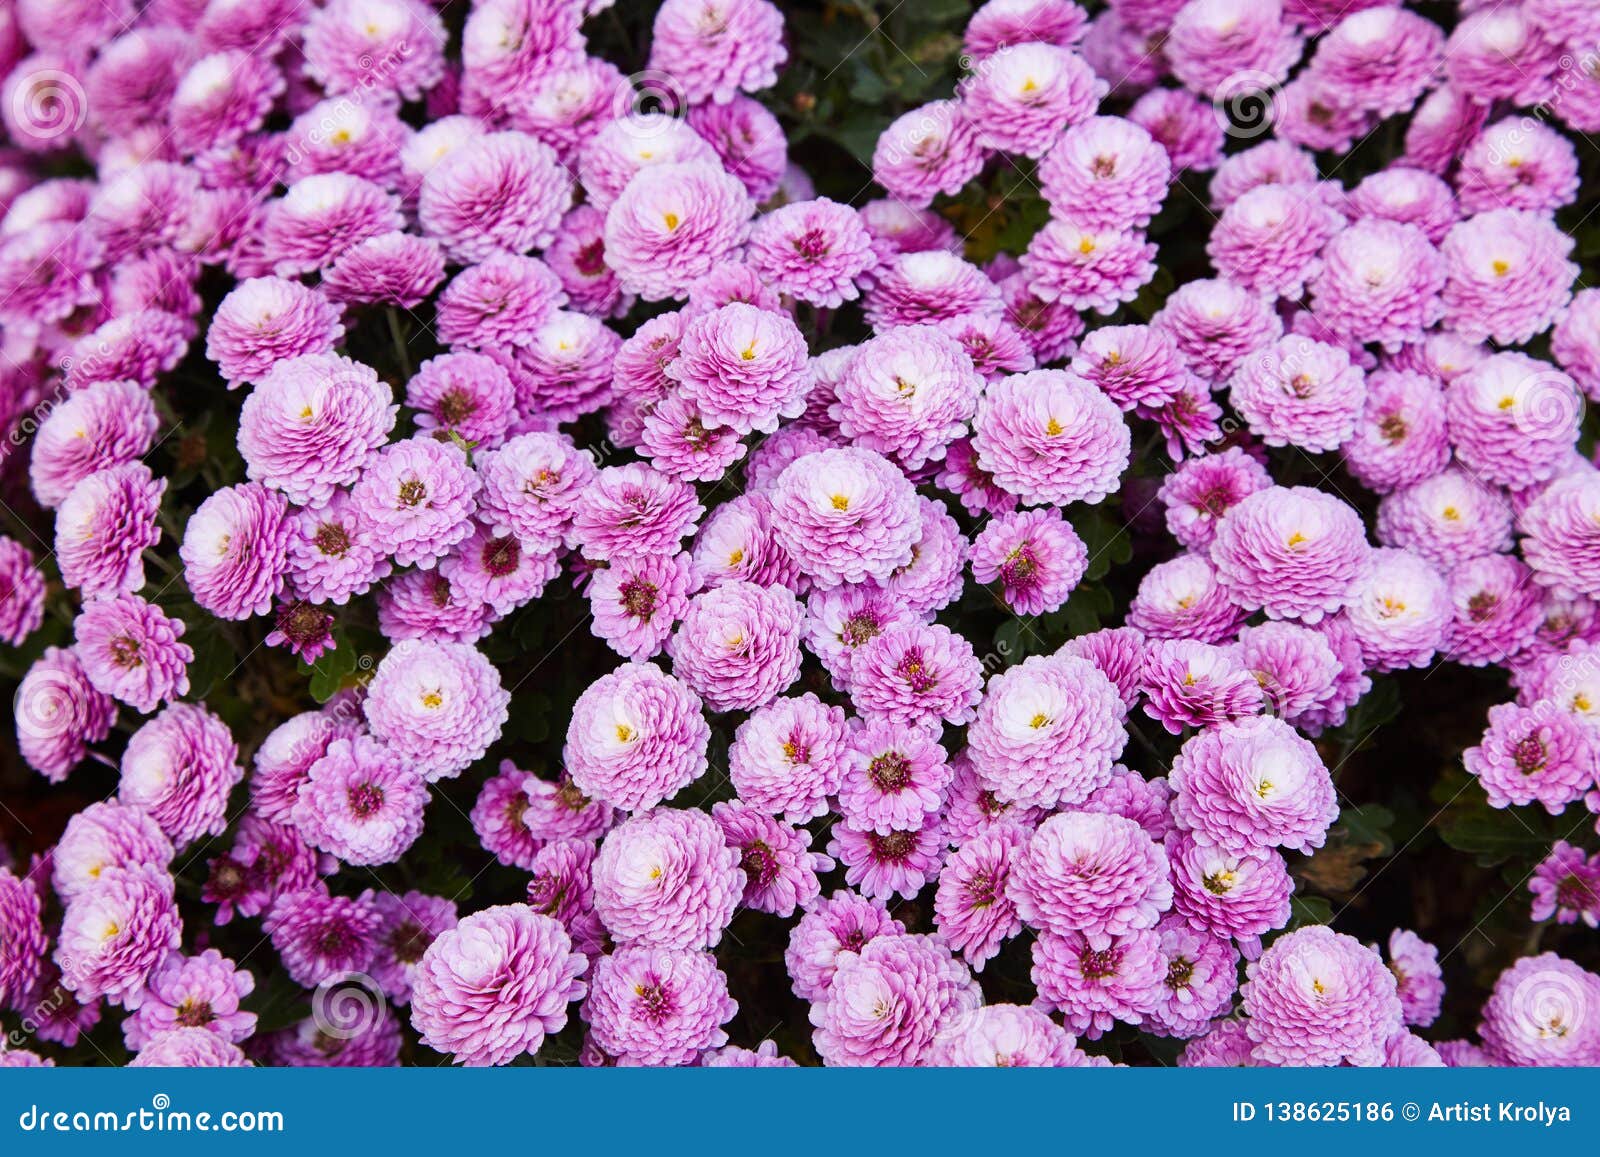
(1513, 419)
(1036, 557)
(395, 269)
(1048, 731)
(973, 909)
(194, 993)
(1071, 264)
(737, 543)
(1380, 281)
(500, 817)
(842, 923)
(1516, 165)
(672, 224)
(743, 367)
(1238, 894)
(1533, 754)
(996, 346)
(1181, 599)
(361, 803)
(999, 23)
(1499, 53)
(635, 602)
(1106, 173)
(1507, 275)
(1400, 611)
(498, 570)
(883, 866)
(312, 423)
(1408, 196)
(1201, 490)
(267, 320)
(788, 757)
(417, 497)
(1201, 976)
(1023, 96)
(1212, 41)
(322, 216)
(1295, 666)
(1272, 162)
(180, 768)
(115, 934)
(532, 487)
(1562, 528)
(438, 704)
(668, 879)
(1566, 885)
(1400, 437)
(916, 674)
(815, 251)
(1188, 683)
(1448, 518)
(130, 650)
(1299, 392)
(1253, 783)
(928, 286)
(103, 425)
(658, 1007)
(489, 990)
(1217, 324)
(1496, 610)
(895, 777)
(932, 580)
(636, 738)
(887, 1003)
(1269, 239)
(906, 394)
(1574, 343)
(845, 515)
(220, 98)
(1319, 997)
(1051, 437)
(502, 192)
(930, 150)
(1542, 1013)
(1295, 552)
(1119, 654)
(1095, 981)
(1134, 365)
(738, 645)
(463, 393)
(1090, 872)
(103, 527)
(780, 872)
(1381, 58)
(59, 712)
(499, 301)
(717, 48)
(390, 46)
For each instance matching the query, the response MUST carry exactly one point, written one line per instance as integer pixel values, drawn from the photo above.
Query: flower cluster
(520, 418)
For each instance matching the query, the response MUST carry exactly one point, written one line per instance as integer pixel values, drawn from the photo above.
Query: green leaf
(1306, 910)
(329, 672)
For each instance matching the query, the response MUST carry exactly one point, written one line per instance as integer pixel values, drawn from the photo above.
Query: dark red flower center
(915, 672)
(193, 1014)
(125, 652)
(639, 599)
(501, 556)
(890, 771)
(409, 941)
(366, 799)
(892, 847)
(759, 864)
(455, 406)
(331, 539)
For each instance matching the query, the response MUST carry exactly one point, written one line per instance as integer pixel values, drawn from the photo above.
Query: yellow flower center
(841, 502)
(672, 220)
(432, 699)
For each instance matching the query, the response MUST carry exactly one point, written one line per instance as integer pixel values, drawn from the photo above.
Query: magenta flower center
(336, 941)
(654, 1001)
(590, 259)
(331, 539)
(639, 599)
(1180, 972)
(980, 889)
(125, 652)
(860, 628)
(915, 672)
(1020, 569)
(302, 623)
(501, 557)
(193, 1013)
(455, 406)
(812, 244)
(1529, 754)
(890, 771)
(893, 847)
(1099, 965)
(366, 799)
(759, 864)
